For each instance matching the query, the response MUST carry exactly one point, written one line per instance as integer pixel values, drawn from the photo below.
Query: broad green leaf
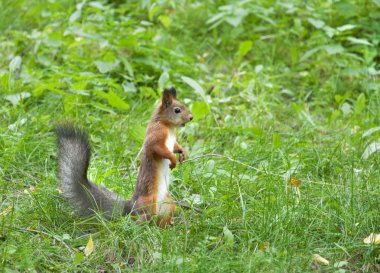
(276, 140)
(10, 249)
(376, 2)
(129, 87)
(126, 64)
(154, 9)
(359, 41)
(69, 102)
(77, 13)
(97, 5)
(103, 107)
(163, 80)
(370, 149)
(309, 53)
(346, 108)
(338, 98)
(196, 86)
(116, 101)
(244, 48)
(113, 99)
(329, 31)
(237, 16)
(228, 236)
(15, 64)
(370, 131)
(316, 23)
(147, 91)
(199, 110)
(78, 258)
(333, 49)
(256, 131)
(38, 91)
(75, 16)
(215, 18)
(345, 27)
(234, 20)
(360, 103)
(165, 20)
(305, 115)
(16, 98)
(105, 67)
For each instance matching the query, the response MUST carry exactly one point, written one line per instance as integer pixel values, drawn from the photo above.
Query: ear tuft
(173, 92)
(167, 98)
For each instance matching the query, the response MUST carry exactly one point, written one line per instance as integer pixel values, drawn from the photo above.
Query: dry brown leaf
(320, 260)
(372, 239)
(294, 182)
(264, 246)
(89, 247)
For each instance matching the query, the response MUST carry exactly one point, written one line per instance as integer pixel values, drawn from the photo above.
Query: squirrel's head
(174, 112)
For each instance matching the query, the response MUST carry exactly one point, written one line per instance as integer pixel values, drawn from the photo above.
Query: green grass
(282, 91)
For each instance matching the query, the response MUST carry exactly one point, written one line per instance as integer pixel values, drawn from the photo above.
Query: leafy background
(284, 143)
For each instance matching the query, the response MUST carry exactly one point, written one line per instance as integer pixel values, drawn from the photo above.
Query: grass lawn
(284, 158)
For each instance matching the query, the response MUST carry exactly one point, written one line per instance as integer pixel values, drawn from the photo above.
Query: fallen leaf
(294, 182)
(228, 236)
(89, 247)
(372, 239)
(320, 260)
(264, 246)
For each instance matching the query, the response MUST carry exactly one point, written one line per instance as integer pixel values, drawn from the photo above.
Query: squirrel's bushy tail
(73, 160)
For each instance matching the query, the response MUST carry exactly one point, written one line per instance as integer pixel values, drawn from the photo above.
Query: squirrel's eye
(177, 110)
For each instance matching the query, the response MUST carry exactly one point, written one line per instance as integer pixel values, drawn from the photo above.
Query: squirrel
(151, 197)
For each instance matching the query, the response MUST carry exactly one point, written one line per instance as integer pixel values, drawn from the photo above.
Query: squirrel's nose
(191, 117)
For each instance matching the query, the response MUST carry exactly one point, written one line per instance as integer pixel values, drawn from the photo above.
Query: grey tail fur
(73, 160)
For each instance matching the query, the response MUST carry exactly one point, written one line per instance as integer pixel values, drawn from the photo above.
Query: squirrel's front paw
(172, 164)
(182, 155)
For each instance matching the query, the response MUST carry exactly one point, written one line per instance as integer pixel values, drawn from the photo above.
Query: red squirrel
(151, 196)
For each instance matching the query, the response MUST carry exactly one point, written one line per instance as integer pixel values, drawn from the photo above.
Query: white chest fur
(170, 141)
(164, 179)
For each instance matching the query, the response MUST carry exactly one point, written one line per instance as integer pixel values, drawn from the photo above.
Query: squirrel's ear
(167, 98)
(173, 92)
